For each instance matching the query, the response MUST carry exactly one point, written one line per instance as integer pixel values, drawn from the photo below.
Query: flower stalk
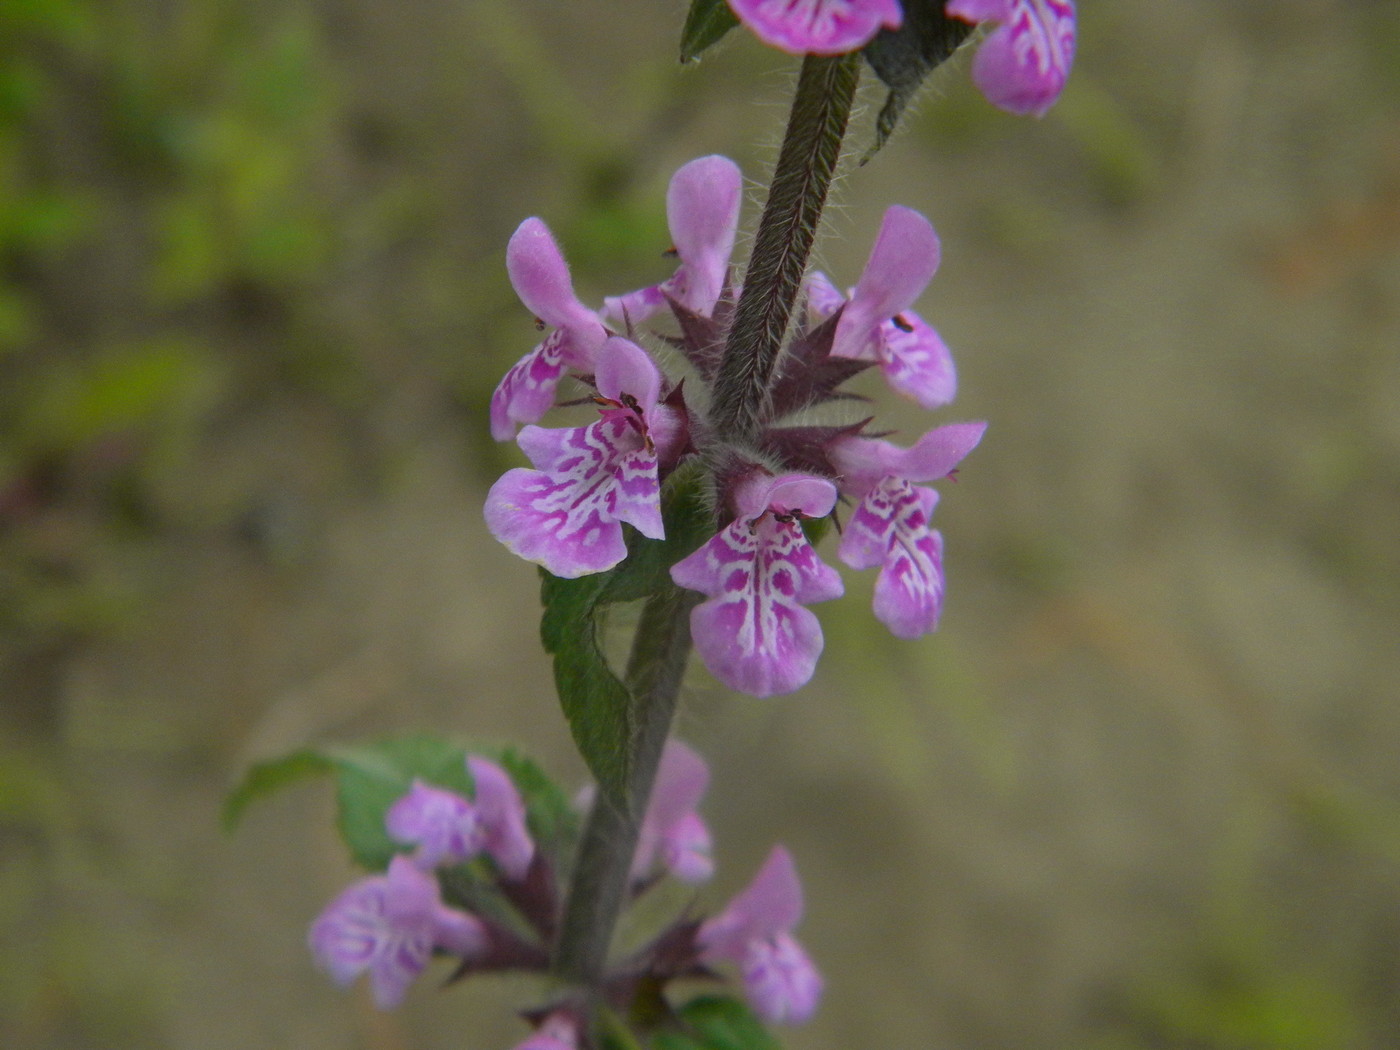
(821, 108)
(811, 146)
(660, 649)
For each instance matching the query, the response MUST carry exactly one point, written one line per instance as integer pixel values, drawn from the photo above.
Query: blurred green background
(1141, 792)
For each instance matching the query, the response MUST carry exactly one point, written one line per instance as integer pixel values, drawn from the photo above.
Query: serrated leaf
(903, 57)
(596, 704)
(716, 1022)
(266, 778)
(705, 23)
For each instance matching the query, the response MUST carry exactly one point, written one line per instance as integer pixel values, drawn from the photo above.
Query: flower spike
(541, 279)
(754, 634)
(818, 27)
(1023, 64)
(702, 206)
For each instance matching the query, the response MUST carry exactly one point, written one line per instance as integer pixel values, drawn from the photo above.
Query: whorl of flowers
(759, 571)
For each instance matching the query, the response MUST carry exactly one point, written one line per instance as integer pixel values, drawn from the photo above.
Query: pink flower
(890, 527)
(702, 207)
(877, 324)
(1023, 64)
(819, 27)
(754, 634)
(672, 831)
(505, 837)
(755, 931)
(567, 514)
(541, 279)
(388, 926)
(449, 829)
(558, 1031)
(444, 826)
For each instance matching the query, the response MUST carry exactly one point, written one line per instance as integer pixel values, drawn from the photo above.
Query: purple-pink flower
(388, 926)
(876, 323)
(890, 526)
(672, 832)
(567, 514)
(558, 1031)
(819, 27)
(754, 634)
(1024, 62)
(541, 279)
(755, 931)
(449, 829)
(702, 208)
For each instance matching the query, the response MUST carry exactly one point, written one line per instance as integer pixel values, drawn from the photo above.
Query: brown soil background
(1141, 790)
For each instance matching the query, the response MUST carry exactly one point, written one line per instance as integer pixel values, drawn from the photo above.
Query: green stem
(806, 163)
(596, 894)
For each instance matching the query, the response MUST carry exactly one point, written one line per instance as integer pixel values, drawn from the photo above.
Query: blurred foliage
(158, 179)
(150, 172)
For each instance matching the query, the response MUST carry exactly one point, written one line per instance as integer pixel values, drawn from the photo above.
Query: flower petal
(540, 276)
(527, 391)
(754, 634)
(916, 361)
(781, 981)
(769, 905)
(506, 836)
(864, 462)
(671, 828)
(902, 262)
(442, 824)
(702, 206)
(623, 367)
(890, 528)
(819, 27)
(387, 925)
(567, 515)
(1023, 64)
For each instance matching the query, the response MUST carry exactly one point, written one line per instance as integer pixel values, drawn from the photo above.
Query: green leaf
(902, 58)
(716, 1022)
(597, 705)
(369, 779)
(549, 812)
(705, 23)
(269, 777)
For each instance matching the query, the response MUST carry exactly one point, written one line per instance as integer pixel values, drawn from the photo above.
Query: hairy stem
(596, 894)
(806, 162)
